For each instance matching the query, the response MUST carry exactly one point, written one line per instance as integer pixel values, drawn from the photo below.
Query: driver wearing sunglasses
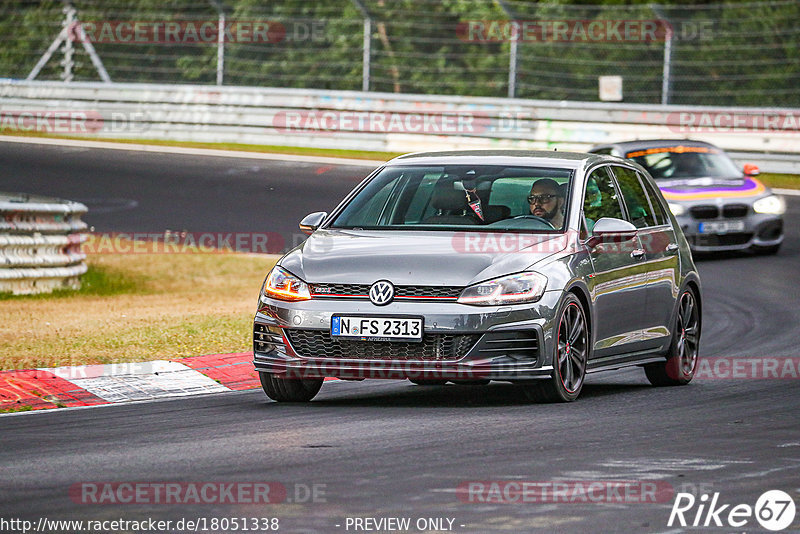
(546, 201)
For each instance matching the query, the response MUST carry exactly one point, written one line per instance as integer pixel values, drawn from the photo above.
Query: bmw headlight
(513, 289)
(676, 209)
(771, 205)
(283, 285)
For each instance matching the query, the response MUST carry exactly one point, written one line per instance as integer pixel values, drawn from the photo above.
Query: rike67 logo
(774, 510)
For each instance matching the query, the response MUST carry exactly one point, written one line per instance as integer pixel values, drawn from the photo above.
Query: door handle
(638, 253)
(672, 247)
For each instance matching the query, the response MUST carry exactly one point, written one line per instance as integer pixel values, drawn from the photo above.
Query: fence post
(221, 48)
(220, 40)
(666, 70)
(367, 54)
(665, 82)
(68, 63)
(512, 52)
(512, 69)
(70, 25)
(367, 46)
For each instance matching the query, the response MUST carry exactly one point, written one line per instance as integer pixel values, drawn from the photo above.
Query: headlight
(514, 289)
(283, 285)
(676, 209)
(771, 205)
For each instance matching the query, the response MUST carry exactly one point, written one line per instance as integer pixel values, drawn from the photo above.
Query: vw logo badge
(381, 293)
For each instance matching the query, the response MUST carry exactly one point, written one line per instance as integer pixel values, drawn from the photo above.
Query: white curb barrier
(40, 241)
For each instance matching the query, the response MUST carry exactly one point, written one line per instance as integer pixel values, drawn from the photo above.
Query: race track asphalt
(392, 449)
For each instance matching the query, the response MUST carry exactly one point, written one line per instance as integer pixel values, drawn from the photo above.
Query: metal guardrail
(347, 119)
(40, 240)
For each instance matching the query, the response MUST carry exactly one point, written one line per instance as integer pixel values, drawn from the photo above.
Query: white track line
(789, 192)
(79, 143)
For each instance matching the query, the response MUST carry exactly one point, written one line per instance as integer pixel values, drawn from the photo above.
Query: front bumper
(510, 343)
(759, 231)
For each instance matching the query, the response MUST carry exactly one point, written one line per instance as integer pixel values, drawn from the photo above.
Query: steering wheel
(536, 218)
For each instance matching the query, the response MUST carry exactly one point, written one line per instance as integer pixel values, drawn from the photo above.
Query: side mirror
(610, 229)
(312, 221)
(751, 169)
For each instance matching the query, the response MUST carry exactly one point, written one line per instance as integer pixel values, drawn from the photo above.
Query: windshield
(462, 197)
(685, 162)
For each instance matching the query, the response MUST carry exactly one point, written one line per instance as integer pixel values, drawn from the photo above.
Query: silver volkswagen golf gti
(527, 267)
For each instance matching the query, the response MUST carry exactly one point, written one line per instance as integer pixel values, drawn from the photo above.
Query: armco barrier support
(40, 240)
(269, 116)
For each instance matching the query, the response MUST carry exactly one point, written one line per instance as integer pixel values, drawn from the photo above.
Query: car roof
(627, 146)
(524, 158)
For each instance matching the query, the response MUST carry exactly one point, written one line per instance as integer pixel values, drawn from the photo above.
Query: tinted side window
(635, 198)
(600, 199)
(658, 211)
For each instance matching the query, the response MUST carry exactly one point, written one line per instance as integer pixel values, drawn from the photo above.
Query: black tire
(766, 251)
(572, 349)
(431, 382)
(288, 389)
(681, 361)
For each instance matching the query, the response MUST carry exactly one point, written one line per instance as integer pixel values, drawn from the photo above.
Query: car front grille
(434, 347)
(729, 211)
(704, 212)
(735, 211)
(340, 290)
(361, 291)
(721, 240)
(427, 292)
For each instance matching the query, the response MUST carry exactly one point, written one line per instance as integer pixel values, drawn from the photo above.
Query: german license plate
(376, 328)
(721, 227)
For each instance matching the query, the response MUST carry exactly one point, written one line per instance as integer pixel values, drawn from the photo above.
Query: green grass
(781, 181)
(137, 307)
(97, 281)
